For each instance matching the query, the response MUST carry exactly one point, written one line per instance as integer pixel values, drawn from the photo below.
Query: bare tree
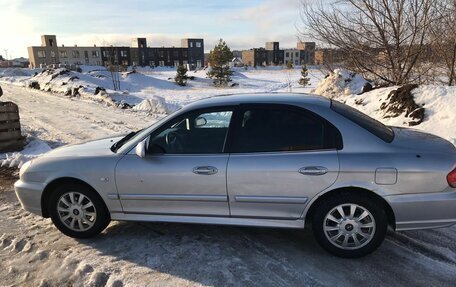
(443, 39)
(382, 39)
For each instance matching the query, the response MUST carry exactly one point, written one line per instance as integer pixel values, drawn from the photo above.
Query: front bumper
(424, 210)
(29, 195)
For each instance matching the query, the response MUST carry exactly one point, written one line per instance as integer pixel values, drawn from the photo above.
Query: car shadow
(246, 256)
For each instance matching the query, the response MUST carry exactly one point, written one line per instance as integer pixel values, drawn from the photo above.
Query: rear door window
(276, 128)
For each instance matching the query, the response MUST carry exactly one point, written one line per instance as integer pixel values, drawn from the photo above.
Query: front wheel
(349, 225)
(77, 211)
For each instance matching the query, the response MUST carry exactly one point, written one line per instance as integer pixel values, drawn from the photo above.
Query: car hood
(415, 139)
(91, 148)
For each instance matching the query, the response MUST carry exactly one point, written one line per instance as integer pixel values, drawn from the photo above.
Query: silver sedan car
(269, 160)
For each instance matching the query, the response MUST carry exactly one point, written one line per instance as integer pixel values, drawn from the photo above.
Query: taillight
(451, 178)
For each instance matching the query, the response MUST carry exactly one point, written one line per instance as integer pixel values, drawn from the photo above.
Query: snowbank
(155, 104)
(438, 101)
(340, 82)
(32, 150)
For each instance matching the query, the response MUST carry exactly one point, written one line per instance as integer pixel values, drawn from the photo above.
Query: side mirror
(200, 121)
(141, 148)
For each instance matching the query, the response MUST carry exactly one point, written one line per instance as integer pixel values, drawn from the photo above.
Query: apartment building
(190, 53)
(49, 53)
(304, 53)
(293, 56)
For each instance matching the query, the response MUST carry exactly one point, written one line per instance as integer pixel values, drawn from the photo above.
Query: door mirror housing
(141, 148)
(200, 121)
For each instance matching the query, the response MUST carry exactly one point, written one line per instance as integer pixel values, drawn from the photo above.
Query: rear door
(281, 156)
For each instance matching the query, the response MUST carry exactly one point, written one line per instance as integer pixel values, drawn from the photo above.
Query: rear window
(373, 126)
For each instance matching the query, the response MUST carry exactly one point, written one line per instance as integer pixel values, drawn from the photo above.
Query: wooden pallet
(10, 128)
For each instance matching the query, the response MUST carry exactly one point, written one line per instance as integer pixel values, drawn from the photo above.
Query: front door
(184, 171)
(281, 157)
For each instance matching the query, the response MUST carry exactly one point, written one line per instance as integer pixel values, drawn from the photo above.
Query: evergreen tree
(219, 58)
(181, 75)
(304, 80)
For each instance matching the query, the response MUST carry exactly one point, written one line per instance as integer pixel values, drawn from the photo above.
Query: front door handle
(206, 170)
(313, 170)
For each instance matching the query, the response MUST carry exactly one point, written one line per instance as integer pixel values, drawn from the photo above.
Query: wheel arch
(51, 186)
(351, 189)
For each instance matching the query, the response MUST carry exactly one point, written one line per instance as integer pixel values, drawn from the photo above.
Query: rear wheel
(77, 211)
(349, 225)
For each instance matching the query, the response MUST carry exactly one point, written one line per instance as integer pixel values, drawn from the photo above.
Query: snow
(340, 82)
(33, 149)
(438, 101)
(34, 253)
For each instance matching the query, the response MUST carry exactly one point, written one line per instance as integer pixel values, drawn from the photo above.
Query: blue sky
(242, 23)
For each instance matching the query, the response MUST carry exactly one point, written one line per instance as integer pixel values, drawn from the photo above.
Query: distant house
(236, 62)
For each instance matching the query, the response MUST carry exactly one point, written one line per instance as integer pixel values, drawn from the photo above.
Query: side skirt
(296, 223)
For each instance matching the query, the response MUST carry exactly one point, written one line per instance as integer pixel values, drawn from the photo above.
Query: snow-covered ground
(34, 253)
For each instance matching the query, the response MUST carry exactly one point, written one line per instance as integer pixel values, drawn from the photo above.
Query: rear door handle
(205, 170)
(313, 170)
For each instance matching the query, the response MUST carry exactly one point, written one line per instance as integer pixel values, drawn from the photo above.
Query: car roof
(262, 98)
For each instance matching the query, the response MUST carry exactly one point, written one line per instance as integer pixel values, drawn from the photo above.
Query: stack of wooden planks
(10, 128)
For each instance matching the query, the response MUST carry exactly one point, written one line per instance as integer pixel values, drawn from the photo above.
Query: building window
(198, 63)
(105, 54)
(198, 44)
(161, 63)
(51, 42)
(184, 54)
(52, 54)
(176, 63)
(191, 44)
(95, 54)
(287, 54)
(123, 53)
(41, 54)
(297, 54)
(175, 54)
(161, 54)
(63, 54)
(75, 54)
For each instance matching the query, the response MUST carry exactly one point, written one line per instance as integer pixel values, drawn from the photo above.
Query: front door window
(202, 132)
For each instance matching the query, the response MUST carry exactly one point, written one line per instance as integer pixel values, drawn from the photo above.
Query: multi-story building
(293, 56)
(273, 55)
(79, 55)
(195, 48)
(46, 54)
(307, 52)
(255, 57)
(329, 56)
(139, 54)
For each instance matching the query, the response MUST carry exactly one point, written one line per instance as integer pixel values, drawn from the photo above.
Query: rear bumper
(29, 195)
(424, 210)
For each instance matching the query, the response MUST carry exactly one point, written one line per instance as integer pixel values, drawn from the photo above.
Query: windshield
(373, 126)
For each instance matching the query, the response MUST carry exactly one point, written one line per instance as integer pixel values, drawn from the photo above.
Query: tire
(83, 219)
(331, 229)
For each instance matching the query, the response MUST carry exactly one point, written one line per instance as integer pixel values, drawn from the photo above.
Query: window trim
(180, 117)
(236, 121)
